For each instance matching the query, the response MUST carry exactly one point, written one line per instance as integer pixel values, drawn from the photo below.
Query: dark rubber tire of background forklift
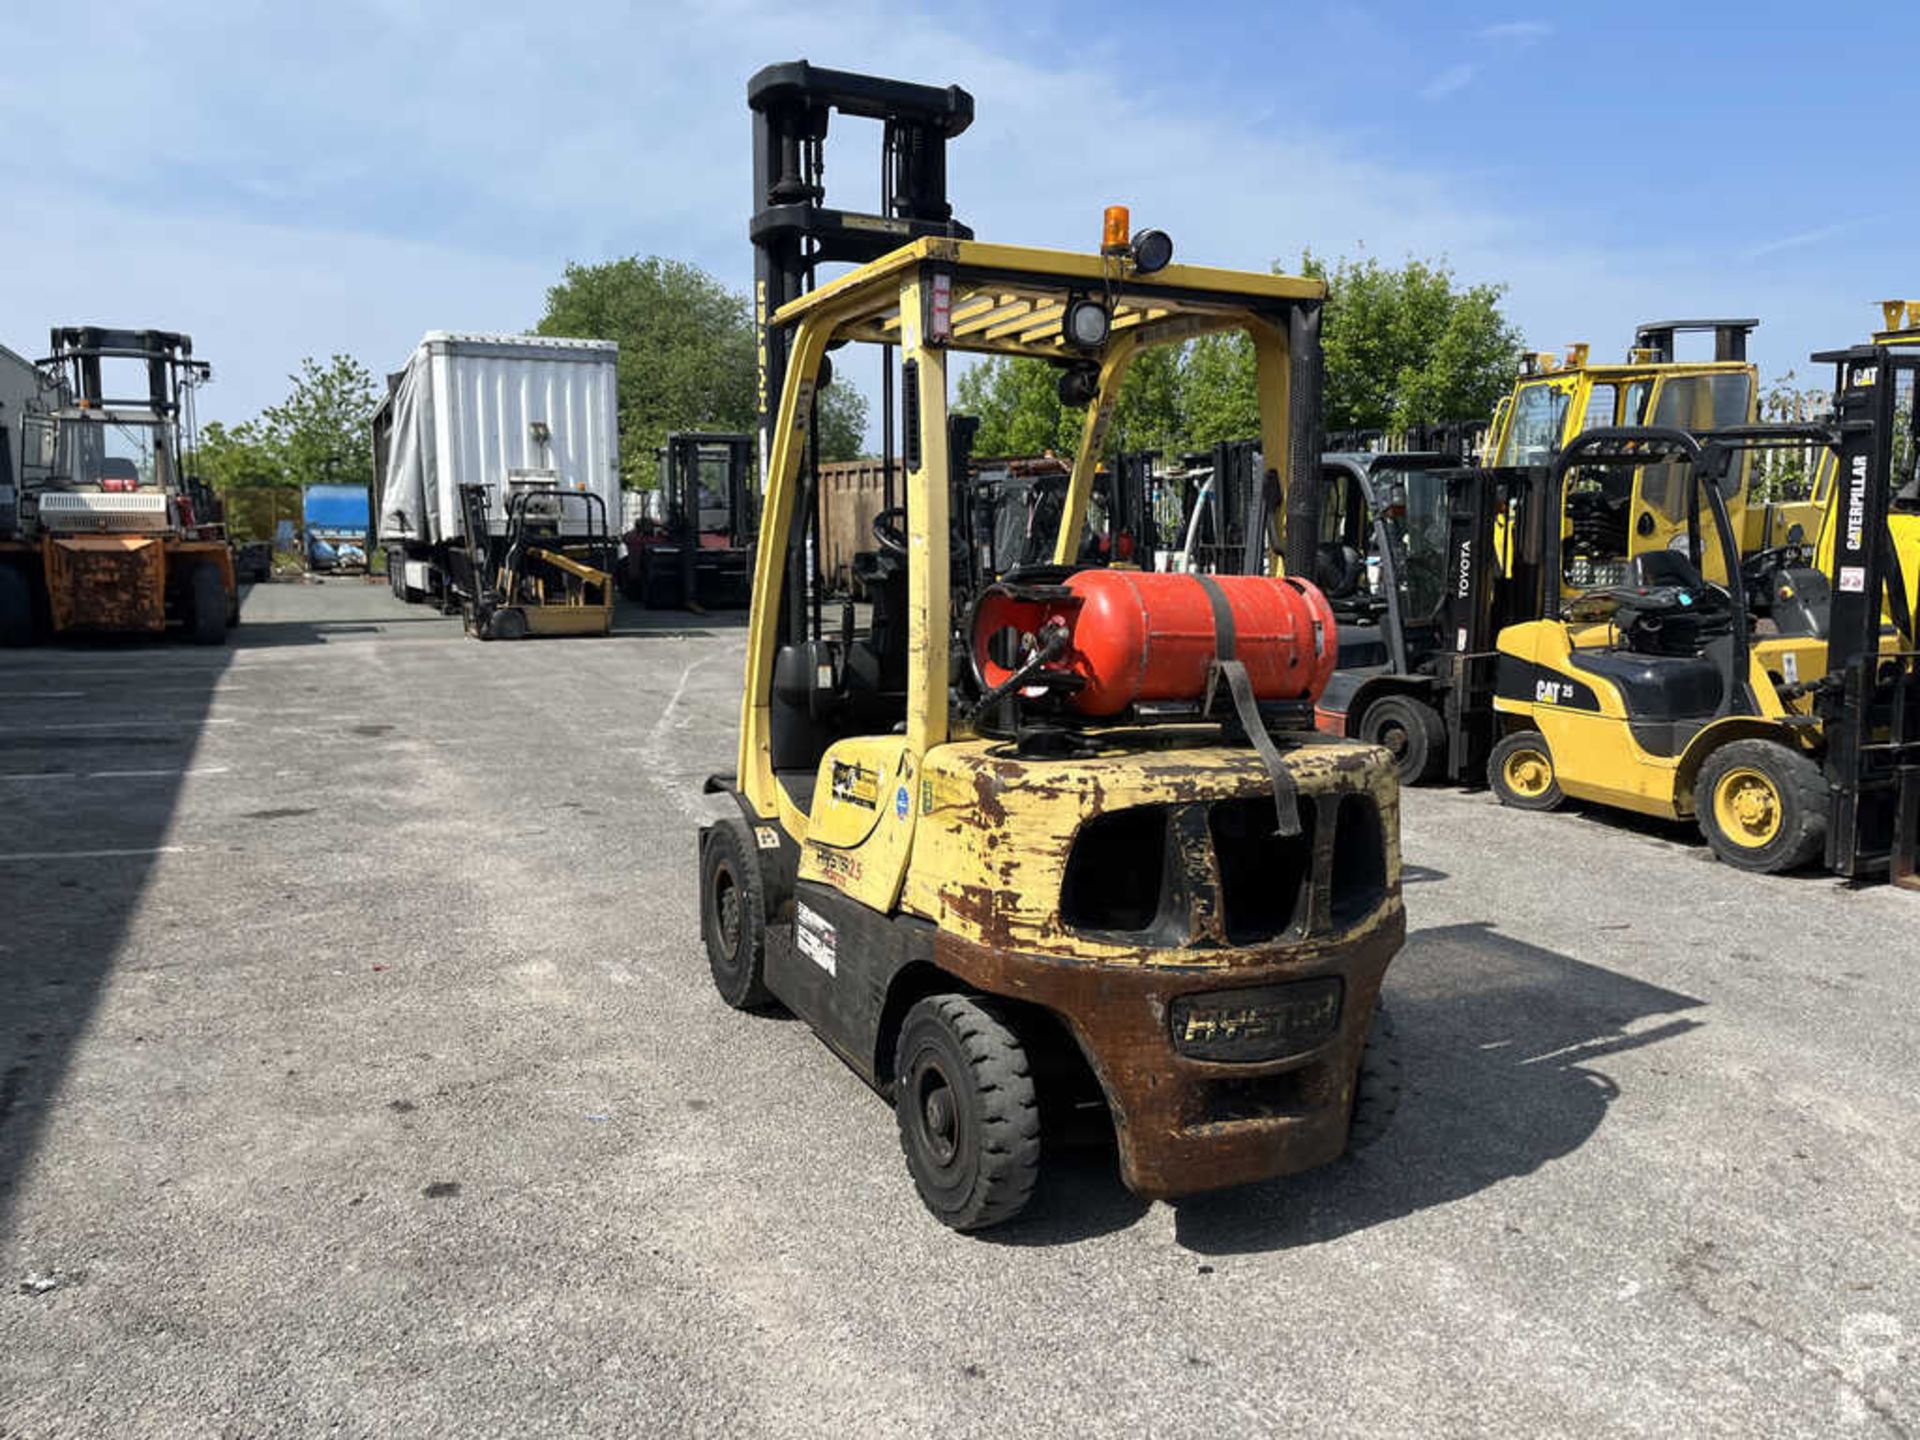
(1802, 788)
(733, 916)
(1423, 751)
(1550, 798)
(507, 624)
(1376, 1089)
(207, 596)
(16, 608)
(958, 1058)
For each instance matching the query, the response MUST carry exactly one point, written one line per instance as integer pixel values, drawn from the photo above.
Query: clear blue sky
(285, 180)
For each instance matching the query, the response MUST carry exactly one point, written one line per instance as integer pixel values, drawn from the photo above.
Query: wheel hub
(727, 906)
(1528, 773)
(1749, 808)
(939, 1118)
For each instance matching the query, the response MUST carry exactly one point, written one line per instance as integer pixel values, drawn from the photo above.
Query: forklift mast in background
(794, 230)
(1656, 337)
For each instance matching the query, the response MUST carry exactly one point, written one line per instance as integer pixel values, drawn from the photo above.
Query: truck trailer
(511, 413)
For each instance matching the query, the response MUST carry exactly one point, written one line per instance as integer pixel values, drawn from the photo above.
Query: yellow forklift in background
(1069, 841)
(1796, 738)
(111, 532)
(552, 576)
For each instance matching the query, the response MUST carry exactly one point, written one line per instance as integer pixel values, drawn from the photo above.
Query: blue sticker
(900, 802)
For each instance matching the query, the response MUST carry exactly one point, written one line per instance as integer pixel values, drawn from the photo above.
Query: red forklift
(695, 552)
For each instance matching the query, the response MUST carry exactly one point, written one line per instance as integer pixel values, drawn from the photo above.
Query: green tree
(1222, 402)
(236, 457)
(1407, 346)
(319, 432)
(1018, 402)
(686, 356)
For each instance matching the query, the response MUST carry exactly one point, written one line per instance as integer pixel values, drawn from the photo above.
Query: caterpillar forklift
(1078, 822)
(552, 573)
(111, 533)
(1779, 710)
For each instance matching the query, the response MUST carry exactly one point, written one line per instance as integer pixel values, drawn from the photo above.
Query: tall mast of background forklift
(794, 231)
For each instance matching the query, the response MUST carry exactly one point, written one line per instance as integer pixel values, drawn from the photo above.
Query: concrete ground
(360, 1073)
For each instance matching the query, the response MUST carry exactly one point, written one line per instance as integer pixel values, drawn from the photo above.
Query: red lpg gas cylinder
(1141, 636)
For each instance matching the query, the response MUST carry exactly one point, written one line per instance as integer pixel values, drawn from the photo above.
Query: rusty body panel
(996, 830)
(107, 582)
(120, 584)
(852, 494)
(1186, 1125)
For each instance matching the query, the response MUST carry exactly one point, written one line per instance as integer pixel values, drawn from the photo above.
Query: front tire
(1376, 1088)
(969, 1117)
(1411, 731)
(1762, 806)
(733, 916)
(207, 594)
(1521, 774)
(16, 608)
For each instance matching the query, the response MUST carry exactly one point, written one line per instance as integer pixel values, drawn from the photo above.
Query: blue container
(337, 512)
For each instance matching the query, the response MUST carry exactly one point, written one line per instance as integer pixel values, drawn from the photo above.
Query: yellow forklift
(552, 575)
(1788, 739)
(1078, 822)
(110, 532)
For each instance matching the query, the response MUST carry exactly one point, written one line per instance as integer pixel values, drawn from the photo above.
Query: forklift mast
(794, 230)
(1729, 337)
(1870, 710)
(75, 352)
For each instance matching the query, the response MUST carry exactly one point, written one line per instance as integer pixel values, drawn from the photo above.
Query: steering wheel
(890, 530)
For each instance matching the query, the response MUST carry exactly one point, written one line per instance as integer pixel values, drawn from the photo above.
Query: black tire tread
(748, 992)
(207, 602)
(1377, 1086)
(1010, 1108)
(1552, 800)
(1800, 778)
(1418, 716)
(16, 608)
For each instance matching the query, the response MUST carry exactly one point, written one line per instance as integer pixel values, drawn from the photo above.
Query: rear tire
(1411, 731)
(969, 1117)
(1521, 774)
(1762, 806)
(733, 916)
(508, 624)
(1376, 1089)
(16, 608)
(207, 597)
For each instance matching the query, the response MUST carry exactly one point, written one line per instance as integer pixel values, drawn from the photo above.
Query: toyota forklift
(1786, 740)
(111, 533)
(1077, 822)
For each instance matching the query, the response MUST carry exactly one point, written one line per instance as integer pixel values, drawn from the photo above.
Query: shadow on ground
(93, 738)
(1501, 1042)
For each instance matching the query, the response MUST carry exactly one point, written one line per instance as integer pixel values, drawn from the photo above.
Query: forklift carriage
(1001, 864)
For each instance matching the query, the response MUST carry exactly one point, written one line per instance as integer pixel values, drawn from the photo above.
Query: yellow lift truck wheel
(1762, 806)
(1520, 772)
(733, 917)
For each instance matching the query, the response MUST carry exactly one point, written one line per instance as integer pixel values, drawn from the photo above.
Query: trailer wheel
(1762, 806)
(733, 917)
(1520, 772)
(207, 605)
(969, 1117)
(1376, 1089)
(1411, 731)
(16, 608)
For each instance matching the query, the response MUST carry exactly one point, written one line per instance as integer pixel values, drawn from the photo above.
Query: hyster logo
(1466, 569)
(1857, 504)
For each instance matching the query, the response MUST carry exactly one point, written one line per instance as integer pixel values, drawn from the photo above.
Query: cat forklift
(551, 575)
(1794, 738)
(698, 554)
(1076, 823)
(111, 533)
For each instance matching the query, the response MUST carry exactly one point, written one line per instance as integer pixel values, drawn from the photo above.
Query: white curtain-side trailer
(503, 411)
